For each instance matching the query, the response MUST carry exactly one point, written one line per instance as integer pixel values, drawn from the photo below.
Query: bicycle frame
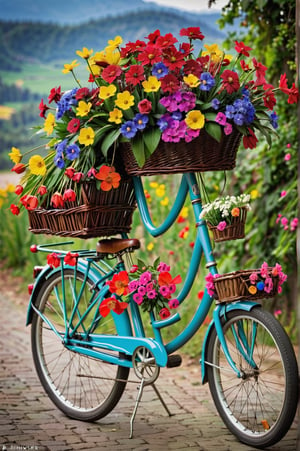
(128, 340)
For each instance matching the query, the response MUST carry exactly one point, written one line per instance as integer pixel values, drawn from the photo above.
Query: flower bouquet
(259, 283)
(226, 216)
(138, 99)
(152, 287)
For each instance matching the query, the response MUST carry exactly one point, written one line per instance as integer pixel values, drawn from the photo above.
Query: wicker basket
(234, 231)
(202, 154)
(99, 213)
(235, 286)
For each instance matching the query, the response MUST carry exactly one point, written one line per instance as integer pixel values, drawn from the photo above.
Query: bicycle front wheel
(259, 407)
(82, 387)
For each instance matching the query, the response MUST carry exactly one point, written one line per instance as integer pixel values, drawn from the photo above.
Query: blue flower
(66, 102)
(229, 112)
(60, 147)
(207, 81)
(177, 115)
(59, 161)
(274, 119)
(72, 152)
(141, 121)
(238, 119)
(159, 70)
(129, 129)
(215, 103)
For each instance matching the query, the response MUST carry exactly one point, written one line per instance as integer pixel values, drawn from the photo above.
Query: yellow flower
(113, 44)
(85, 53)
(83, 108)
(37, 165)
(115, 116)
(184, 212)
(164, 202)
(160, 190)
(150, 246)
(195, 120)
(153, 184)
(15, 155)
(10, 188)
(254, 194)
(3, 192)
(191, 80)
(216, 55)
(69, 67)
(108, 56)
(152, 84)
(49, 123)
(107, 91)
(124, 100)
(86, 136)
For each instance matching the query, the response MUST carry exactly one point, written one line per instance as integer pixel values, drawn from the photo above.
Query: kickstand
(138, 399)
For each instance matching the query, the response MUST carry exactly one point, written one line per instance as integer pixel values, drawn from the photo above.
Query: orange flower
(110, 179)
(165, 278)
(112, 304)
(235, 211)
(119, 283)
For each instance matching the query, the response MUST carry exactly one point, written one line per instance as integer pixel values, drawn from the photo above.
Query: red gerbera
(150, 55)
(230, 81)
(241, 48)
(110, 178)
(173, 59)
(55, 95)
(170, 83)
(135, 75)
(153, 36)
(166, 41)
(74, 125)
(111, 72)
(192, 67)
(119, 283)
(81, 93)
(132, 47)
(192, 33)
(112, 304)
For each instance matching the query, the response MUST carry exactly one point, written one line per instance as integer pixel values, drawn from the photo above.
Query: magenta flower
(141, 290)
(138, 298)
(221, 118)
(287, 157)
(163, 267)
(151, 294)
(268, 285)
(221, 226)
(145, 278)
(133, 285)
(264, 270)
(253, 278)
(284, 221)
(173, 303)
(294, 224)
(164, 291)
(228, 129)
(283, 194)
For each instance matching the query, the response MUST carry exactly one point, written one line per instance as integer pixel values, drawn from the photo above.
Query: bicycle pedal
(174, 360)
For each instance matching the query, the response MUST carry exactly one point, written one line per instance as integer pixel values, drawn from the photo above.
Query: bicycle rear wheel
(259, 407)
(82, 387)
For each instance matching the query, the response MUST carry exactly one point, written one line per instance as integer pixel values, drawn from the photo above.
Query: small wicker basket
(98, 213)
(237, 286)
(202, 154)
(233, 231)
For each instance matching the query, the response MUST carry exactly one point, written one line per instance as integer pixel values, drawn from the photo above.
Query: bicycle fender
(47, 272)
(241, 305)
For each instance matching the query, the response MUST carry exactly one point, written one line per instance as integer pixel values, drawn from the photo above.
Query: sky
(191, 5)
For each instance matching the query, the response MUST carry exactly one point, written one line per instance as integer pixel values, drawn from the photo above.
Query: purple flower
(191, 134)
(215, 103)
(274, 119)
(129, 129)
(207, 81)
(140, 121)
(159, 70)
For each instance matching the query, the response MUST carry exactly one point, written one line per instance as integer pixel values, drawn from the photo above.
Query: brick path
(28, 419)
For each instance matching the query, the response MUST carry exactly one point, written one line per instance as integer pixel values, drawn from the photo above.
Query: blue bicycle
(83, 360)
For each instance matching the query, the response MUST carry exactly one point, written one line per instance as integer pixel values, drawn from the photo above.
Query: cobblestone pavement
(28, 419)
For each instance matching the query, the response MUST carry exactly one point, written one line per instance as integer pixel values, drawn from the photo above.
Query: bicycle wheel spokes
(82, 387)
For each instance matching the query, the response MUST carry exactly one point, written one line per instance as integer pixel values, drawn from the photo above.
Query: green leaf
(210, 116)
(151, 138)
(214, 130)
(138, 149)
(108, 141)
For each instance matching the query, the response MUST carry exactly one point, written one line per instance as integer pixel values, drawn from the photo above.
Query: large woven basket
(202, 154)
(233, 231)
(98, 213)
(236, 286)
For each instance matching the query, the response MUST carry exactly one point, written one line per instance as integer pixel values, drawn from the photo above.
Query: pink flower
(287, 157)
(228, 129)
(145, 278)
(221, 226)
(163, 267)
(173, 303)
(284, 221)
(253, 278)
(151, 294)
(264, 270)
(92, 172)
(221, 118)
(142, 290)
(268, 285)
(133, 285)
(277, 313)
(138, 298)
(164, 313)
(164, 291)
(145, 106)
(278, 218)
(294, 224)
(283, 194)
(69, 195)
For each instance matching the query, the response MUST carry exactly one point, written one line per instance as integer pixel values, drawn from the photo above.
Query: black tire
(82, 387)
(260, 407)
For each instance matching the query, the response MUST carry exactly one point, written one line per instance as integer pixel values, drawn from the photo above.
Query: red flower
(165, 41)
(150, 55)
(145, 106)
(135, 75)
(81, 93)
(110, 178)
(192, 33)
(112, 304)
(42, 190)
(193, 67)
(14, 209)
(55, 95)
(69, 172)
(260, 72)
(173, 59)
(43, 108)
(293, 92)
(18, 168)
(77, 176)
(19, 189)
(111, 72)
(29, 202)
(164, 313)
(132, 47)
(185, 49)
(53, 260)
(70, 259)
(57, 200)
(152, 37)
(245, 67)
(119, 283)
(283, 84)
(241, 48)
(250, 141)
(170, 83)
(200, 294)
(269, 98)
(69, 195)
(74, 125)
(30, 288)
(165, 279)
(230, 81)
